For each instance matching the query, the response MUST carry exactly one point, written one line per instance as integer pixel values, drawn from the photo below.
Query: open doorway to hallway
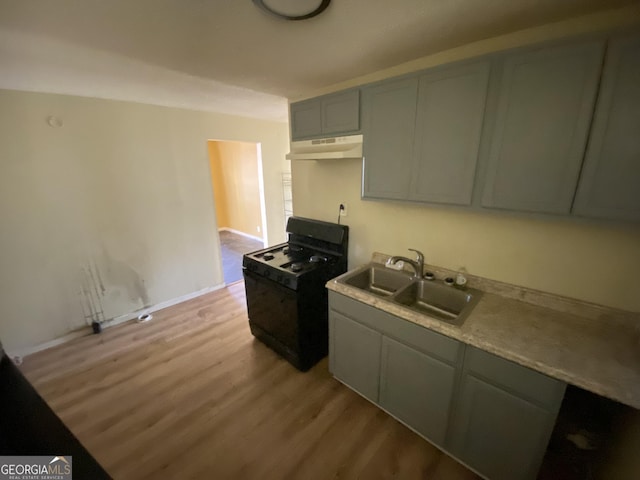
(236, 176)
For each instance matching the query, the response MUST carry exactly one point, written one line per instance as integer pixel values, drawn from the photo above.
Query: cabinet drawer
(420, 338)
(523, 381)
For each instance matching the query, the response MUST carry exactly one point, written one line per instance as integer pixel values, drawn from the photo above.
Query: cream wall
(620, 18)
(113, 210)
(235, 179)
(593, 261)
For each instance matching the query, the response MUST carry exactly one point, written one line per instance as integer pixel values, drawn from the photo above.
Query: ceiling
(229, 56)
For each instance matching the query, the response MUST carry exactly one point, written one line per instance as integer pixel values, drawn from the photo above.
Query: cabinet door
(539, 133)
(417, 389)
(354, 355)
(504, 416)
(448, 129)
(341, 112)
(306, 119)
(497, 433)
(610, 180)
(388, 126)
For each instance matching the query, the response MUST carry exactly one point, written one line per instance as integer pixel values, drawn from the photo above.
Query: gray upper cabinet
(306, 119)
(417, 388)
(504, 417)
(388, 125)
(422, 134)
(516, 131)
(329, 115)
(341, 112)
(451, 104)
(610, 181)
(539, 133)
(354, 354)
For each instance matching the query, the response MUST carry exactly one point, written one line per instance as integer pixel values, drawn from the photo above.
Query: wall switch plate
(343, 211)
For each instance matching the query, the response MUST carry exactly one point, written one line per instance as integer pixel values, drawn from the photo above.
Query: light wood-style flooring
(191, 394)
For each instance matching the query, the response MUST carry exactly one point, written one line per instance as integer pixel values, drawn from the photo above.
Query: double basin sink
(428, 297)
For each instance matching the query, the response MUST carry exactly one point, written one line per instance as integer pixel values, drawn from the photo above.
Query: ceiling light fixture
(293, 9)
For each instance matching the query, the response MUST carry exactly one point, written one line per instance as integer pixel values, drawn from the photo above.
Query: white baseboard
(238, 232)
(83, 331)
(159, 306)
(19, 354)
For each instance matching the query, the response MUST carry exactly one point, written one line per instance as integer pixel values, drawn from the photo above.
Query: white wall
(113, 209)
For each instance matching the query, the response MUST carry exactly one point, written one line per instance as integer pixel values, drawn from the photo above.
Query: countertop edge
(463, 334)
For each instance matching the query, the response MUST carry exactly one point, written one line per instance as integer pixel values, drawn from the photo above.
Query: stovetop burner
(292, 249)
(314, 249)
(289, 258)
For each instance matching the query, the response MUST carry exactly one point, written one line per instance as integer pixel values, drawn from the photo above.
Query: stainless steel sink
(379, 280)
(438, 300)
(428, 297)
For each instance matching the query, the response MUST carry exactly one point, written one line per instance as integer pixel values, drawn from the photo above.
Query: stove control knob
(285, 281)
(267, 273)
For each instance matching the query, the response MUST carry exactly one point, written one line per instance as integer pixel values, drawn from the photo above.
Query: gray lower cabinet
(388, 126)
(354, 355)
(538, 132)
(492, 414)
(610, 181)
(504, 416)
(338, 113)
(417, 389)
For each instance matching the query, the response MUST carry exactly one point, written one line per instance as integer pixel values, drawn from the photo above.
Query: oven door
(273, 308)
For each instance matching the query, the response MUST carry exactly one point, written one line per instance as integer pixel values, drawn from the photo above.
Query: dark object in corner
(97, 327)
(28, 426)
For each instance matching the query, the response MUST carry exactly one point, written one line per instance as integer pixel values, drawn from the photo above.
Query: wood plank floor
(192, 394)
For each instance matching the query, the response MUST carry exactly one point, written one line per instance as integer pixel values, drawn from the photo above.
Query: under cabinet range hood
(327, 148)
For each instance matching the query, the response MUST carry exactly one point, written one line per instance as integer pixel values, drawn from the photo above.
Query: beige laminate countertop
(586, 345)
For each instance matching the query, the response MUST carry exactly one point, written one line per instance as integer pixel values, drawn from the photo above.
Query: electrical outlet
(343, 209)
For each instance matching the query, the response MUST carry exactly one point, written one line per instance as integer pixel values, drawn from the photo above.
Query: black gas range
(285, 287)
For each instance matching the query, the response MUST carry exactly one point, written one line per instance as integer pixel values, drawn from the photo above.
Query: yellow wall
(593, 261)
(234, 174)
(217, 181)
(118, 202)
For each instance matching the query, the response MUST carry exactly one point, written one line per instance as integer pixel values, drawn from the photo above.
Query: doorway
(238, 191)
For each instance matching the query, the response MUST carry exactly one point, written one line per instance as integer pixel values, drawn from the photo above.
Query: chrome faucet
(417, 264)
